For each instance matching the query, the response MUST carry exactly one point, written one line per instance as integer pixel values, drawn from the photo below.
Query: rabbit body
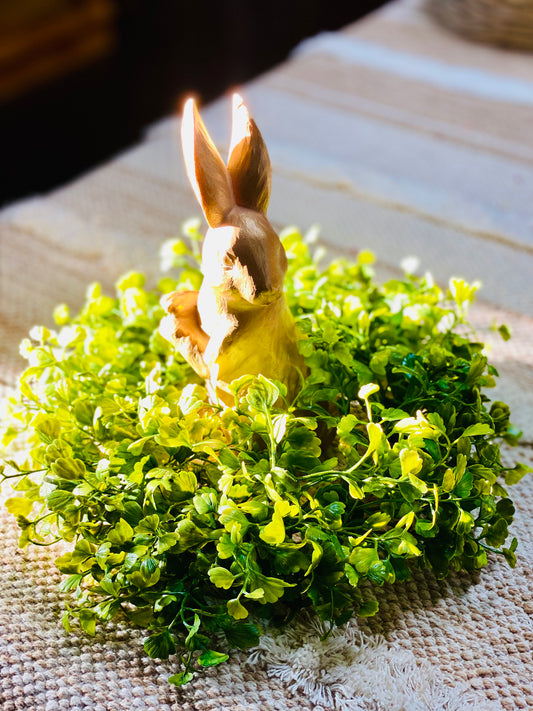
(239, 322)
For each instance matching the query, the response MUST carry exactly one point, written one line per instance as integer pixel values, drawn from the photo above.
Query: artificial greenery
(197, 521)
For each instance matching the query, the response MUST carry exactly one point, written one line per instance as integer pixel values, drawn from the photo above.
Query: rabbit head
(243, 260)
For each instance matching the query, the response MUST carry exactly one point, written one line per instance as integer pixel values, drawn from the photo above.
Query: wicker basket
(508, 23)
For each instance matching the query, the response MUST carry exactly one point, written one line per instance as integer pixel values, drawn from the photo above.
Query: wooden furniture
(42, 41)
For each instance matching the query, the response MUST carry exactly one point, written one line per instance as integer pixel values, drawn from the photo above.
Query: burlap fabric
(383, 158)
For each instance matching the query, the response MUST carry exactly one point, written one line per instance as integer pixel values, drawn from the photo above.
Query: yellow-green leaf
(479, 428)
(406, 521)
(19, 506)
(355, 490)
(448, 480)
(69, 468)
(367, 390)
(236, 610)
(256, 594)
(411, 461)
(210, 658)
(121, 533)
(221, 577)
(274, 532)
(273, 587)
(316, 555)
(375, 436)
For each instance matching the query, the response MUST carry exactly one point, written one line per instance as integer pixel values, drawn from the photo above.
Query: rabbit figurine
(238, 322)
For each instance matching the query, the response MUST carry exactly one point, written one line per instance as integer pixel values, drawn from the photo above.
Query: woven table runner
(399, 156)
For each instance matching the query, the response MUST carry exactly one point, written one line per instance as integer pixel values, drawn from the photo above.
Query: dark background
(81, 79)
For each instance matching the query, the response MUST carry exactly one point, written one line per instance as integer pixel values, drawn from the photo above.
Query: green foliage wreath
(197, 521)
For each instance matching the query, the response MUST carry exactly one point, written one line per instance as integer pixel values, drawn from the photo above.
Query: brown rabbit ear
(207, 173)
(248, 164)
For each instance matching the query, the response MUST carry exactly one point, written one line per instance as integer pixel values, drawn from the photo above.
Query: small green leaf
(505, 332)
(342, 353)
(513, 476)
(363, 558)
(193, 629)
(273, 588)
(425, 528)
(130, 279)
(412, 488)
(186, 481)
(163, 601)
(411, 461)
(406, 521)
(262, 394)
(510, 557)
(355, 490)
(121, 533)
(65, 621)
(148, 567)
(377, 439)
(109, 586)
(367, 390)
(405, 546)
(165, 542)
(393, 414)
(464, 485)
(189, 535)
(181, 678)
(274, 532)
(142, 580)
(19, 506)
(368, 608)
(221, 577)
(71, 582)
(465, 522)
(160, 645)
(351, 575)
(316, 555)
(257, 594)
(225, 546)
(59, 499)
(346, 425)
(448, 480)
(378, 364)
(509, 553)
(87, 620)
(478, 429)
(242, 636)
(141, 616)
(69, 468)
(228, 459)
(236, 609)
(378, 520)
(149, 524)
(279, 427)
(48, 429)
(497, 533)
(210, 658)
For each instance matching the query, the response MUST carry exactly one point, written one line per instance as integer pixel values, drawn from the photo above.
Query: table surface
(392, 135)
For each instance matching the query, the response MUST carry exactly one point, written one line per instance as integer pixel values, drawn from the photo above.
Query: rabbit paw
(183, 329)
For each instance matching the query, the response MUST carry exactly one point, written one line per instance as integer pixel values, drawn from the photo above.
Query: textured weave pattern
(383, 157)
